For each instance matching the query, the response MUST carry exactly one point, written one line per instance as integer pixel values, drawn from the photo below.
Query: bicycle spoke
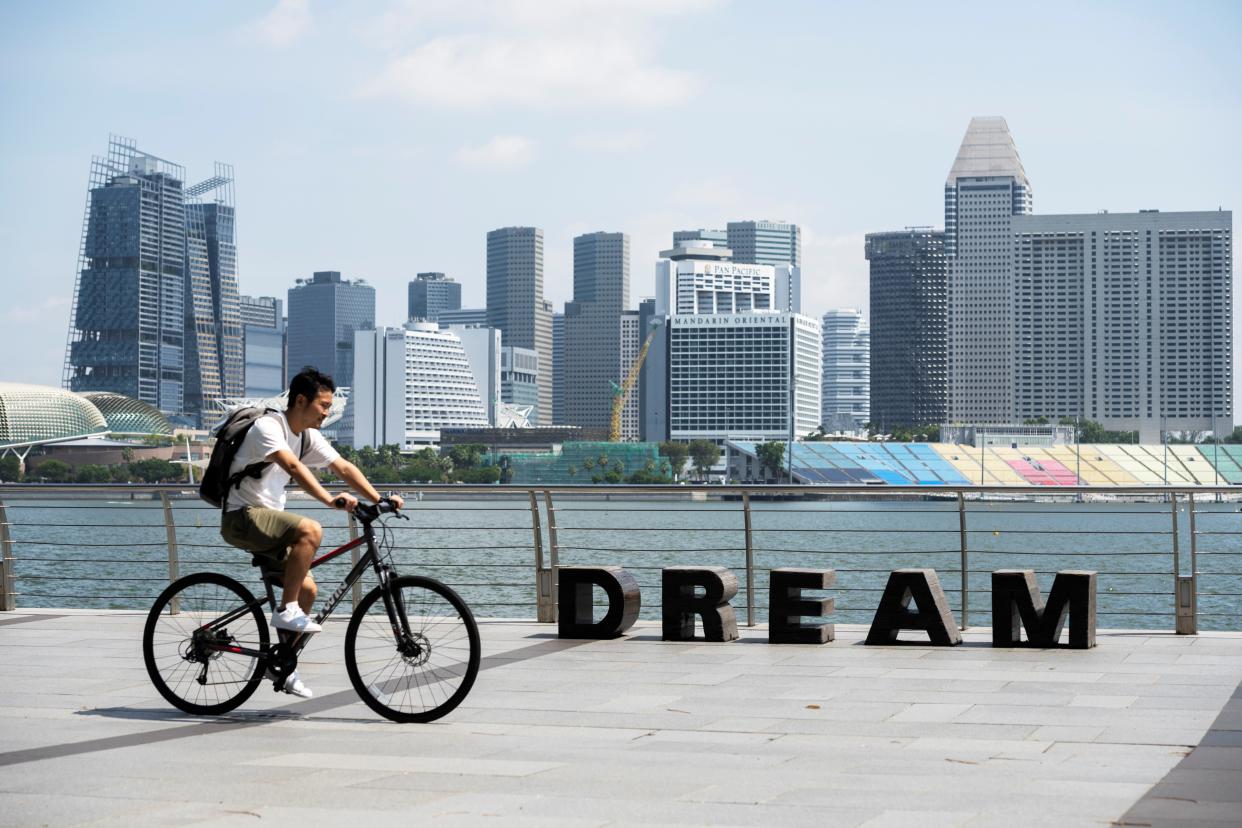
(420, 677)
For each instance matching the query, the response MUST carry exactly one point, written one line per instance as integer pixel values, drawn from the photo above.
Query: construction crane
(622, 391)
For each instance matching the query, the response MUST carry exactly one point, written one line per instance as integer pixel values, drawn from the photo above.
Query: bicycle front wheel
(423, 669)
(193, 642)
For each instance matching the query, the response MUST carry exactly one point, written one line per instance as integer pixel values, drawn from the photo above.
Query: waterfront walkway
(638, 732)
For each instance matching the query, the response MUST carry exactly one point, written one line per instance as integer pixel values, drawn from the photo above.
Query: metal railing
(1167, 556)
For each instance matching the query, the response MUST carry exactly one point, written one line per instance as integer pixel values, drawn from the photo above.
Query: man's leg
(297, 565)
(306, 597)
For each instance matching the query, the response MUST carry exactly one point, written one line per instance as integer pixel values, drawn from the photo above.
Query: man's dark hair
(309, 383)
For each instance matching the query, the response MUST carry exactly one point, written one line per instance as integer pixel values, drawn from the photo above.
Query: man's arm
(350, 473)
(357, 481)
(296, 469)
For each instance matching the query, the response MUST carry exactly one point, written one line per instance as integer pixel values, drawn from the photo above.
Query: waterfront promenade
(637, 731)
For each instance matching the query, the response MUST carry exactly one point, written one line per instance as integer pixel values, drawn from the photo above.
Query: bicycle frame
(400, 624)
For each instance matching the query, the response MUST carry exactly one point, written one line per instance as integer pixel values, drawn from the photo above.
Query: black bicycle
(411, 649)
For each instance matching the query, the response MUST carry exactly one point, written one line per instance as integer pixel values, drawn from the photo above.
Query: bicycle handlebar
(367, 512)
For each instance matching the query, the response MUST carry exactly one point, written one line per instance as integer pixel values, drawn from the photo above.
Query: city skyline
(517, 152)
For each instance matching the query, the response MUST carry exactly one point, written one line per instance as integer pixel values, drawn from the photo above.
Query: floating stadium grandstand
(952, 464)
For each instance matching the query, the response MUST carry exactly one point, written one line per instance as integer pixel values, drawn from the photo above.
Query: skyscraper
(909, 327)
(631, 343)
(985, 189)
(592, 326)
(155, 297)
(431, 293)
(1124, 318)
(263, 339)
(716, 238)
(324, 312)
(515, 302)
(213, 333)
(846, 385)
(558, 369)
(765, 242)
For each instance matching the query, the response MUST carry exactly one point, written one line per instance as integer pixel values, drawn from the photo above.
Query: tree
(648, 476)
(676, 453)
(155, 470)
(771, 457)
(10, 469)
(1234, 437)
(54, 471)
(484, 474)
(383, 473)
(92, 473)
(421, 471)
(466, 456)
(703, 454)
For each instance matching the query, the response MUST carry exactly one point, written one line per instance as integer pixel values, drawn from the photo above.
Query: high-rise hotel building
(409, 383)
(730, 359)
(1122, 318)
(1126, 319)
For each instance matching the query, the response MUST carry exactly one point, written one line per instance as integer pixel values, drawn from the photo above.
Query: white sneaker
(292, 619)
(295, 687)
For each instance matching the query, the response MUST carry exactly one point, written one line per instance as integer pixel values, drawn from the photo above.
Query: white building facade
(737, 376)
(846, 384)
(630, 346)
(409, 383)
(698, 278)
(1126, 319)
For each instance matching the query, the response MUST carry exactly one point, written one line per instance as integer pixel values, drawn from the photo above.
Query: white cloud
(501, 152)
(613, 142)
(286, 22)
(552, 53)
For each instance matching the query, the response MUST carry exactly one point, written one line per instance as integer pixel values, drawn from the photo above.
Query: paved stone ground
(636, 732)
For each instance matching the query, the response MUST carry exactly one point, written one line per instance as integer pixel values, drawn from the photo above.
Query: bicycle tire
(167, 639)
(441, 674)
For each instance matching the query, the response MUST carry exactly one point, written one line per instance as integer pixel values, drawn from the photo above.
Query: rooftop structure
(31, 415)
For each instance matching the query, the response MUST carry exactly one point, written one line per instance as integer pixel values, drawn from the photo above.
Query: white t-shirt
(270, 433)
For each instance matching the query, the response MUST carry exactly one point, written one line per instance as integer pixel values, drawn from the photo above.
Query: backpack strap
(254, 470)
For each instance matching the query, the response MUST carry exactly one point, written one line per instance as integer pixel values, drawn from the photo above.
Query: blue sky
(383, 139)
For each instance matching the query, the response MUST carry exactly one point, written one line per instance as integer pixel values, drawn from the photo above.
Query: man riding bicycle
(254, 516)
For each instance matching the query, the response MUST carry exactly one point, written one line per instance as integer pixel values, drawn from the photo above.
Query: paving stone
(634, 732)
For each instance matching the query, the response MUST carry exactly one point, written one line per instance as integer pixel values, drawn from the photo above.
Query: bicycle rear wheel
(422, 676)
(183, 648)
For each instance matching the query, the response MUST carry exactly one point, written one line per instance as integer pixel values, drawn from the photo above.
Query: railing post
(543, 579)
(355, 593)
(174, 563)
(1188, 586)
(750, 562)
(1177, 558)
(8, 595)
(965, 557)
(554, 556)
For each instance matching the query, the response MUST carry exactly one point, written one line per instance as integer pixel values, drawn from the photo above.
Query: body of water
(113, 553)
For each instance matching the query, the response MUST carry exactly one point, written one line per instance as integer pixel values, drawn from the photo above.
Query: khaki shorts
(261, 531)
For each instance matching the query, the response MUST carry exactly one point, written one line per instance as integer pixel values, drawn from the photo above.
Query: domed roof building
(127, 416)
(34, 414)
